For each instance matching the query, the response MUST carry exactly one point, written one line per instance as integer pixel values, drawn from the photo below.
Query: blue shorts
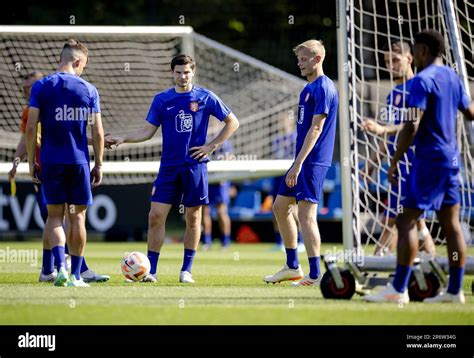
(430, 187)
(309, 184)
(66, 183)
(186, 184)
(219, 193)
(276, 185)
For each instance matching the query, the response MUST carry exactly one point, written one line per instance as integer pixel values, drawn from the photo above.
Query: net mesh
(129, 69)
(372, 25)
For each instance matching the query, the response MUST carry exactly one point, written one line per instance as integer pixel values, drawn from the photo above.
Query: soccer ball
(135, 266)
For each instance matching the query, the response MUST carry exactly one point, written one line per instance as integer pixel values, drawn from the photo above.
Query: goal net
(129, 65)
(371, 27)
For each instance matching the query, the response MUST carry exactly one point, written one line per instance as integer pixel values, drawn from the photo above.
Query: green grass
(228, 290)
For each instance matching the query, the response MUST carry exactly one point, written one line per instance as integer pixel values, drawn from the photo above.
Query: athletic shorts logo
(184, 122)
(300, 114)
(194, 106)
(153, 190)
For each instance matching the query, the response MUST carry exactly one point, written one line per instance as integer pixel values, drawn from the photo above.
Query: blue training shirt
(397, 114)
(318, 97)
(65, 102)
(438, 91)
(184, 119)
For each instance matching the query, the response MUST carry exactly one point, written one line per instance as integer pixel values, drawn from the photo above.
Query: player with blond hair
(303, 183)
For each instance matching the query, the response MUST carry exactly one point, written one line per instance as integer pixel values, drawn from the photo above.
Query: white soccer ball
(135, 266)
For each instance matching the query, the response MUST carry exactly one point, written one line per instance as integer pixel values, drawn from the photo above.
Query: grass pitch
(228, 290)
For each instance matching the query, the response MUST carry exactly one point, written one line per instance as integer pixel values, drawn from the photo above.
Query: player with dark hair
(398, 59)
(66, 104)
(183, 113)
(436, 95)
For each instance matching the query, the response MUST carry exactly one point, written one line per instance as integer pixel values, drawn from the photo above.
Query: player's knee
(305, 219)
(156, 217)
(279, 210)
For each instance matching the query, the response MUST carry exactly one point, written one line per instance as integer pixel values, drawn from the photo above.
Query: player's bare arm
(371, 126)
(98, 145)
(31, 133)
(141, 135)
(310, 140)
(469, 112)
(20, 154)
(231, 125)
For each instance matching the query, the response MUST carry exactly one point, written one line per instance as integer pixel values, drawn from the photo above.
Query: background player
(436, 94)
(303, 183)
(183, 112)
(66, 103)
(398, 61)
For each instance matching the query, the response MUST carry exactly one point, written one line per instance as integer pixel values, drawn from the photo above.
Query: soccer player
(219, 197)
(183, 113)
(47, 273)
(66, 104)
(436, 95)
(316, 129)
(398, 61)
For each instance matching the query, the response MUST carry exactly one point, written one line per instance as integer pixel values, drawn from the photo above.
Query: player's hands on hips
(292, 175)
(373, 127)
(202, 152)
(34, 173)
(393, 174)
(96, 176)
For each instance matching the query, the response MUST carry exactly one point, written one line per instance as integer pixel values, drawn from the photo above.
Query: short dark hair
(399, 47)
(182, 59)
(34, 74)
(73, 45)
(433, 39)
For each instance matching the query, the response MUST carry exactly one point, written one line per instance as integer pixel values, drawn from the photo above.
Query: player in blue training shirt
(183, 113)
(316, 130)
(436, 95)
(398, 61)
(66, 104)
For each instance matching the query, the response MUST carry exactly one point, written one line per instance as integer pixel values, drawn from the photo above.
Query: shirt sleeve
(35, 95)
(322, 100)
(465, 100)
(95, 101)
(217, 108)
(418, 96)
(154, 114)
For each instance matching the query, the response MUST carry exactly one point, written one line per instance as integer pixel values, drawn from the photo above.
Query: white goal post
(365, 28)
